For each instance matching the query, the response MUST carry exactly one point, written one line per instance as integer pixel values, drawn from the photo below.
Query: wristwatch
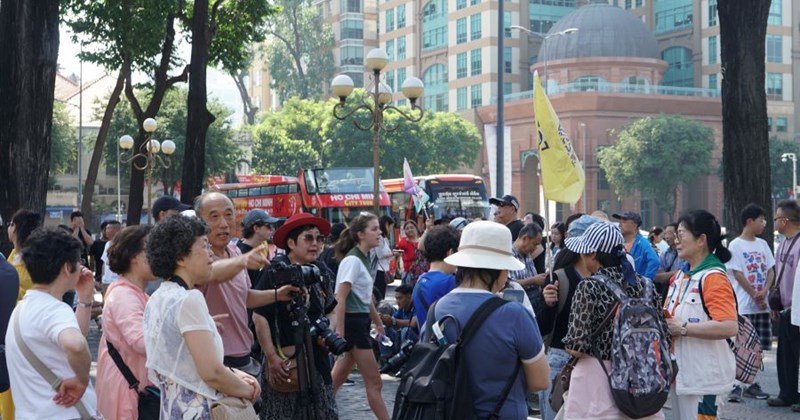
(684, 330)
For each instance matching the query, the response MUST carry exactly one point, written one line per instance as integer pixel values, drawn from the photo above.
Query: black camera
(295, 275)
(335, 344)
(398, 360)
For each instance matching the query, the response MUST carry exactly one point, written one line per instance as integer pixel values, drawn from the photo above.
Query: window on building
(352, 29)
(351, 56)
(390, 80)
(461, 30)
(627, 4)
(680, 69)
(781, 124)
(401, 48)
(712, 12)
(434, 25)
(543, 23)
(712, 49)
(769, 124)
(401, 77)
(460, 4)
(589, 83)
(775, 86)
(507, 23)
(474, 2)
(636, 84)
(389, 20)
(476, 96)
(390, 50)
(560, 3)
(602, 181)
(673, 15)
(358, 78)
(774, 49)
(351, 6)
(436, 91)
(461, 99)
(475, 26)
(401, 16)
(461, 65)
(508, 88)
(775, 13)
(476, 64)
(638, 3)
(645, 210)
(508, 61)
(712, 81)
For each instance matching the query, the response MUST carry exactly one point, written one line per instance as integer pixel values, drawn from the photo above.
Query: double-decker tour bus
(335, 194)
(450, 196)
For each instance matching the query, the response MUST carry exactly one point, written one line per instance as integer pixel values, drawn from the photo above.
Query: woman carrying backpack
(589, 336)
(508, 337)
(707, 366)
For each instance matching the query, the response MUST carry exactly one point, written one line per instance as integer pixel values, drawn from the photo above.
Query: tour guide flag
(562, 173)
(409, 186)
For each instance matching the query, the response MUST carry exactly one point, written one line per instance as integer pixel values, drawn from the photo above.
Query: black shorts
(356, 330)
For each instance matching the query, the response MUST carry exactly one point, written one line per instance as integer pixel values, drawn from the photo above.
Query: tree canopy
(655, 155)
(62, 149)
(297, 137)
(781, 171)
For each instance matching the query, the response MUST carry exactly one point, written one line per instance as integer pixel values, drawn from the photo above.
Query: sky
(220, 85)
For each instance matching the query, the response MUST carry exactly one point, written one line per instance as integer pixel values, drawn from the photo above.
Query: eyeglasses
(311, 238)
(780, 218)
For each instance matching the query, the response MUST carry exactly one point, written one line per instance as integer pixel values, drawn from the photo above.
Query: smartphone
(513, 295)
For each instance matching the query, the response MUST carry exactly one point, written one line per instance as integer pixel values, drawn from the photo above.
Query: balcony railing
(617, 88)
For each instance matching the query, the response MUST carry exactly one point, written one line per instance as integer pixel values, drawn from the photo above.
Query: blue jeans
(557, 359)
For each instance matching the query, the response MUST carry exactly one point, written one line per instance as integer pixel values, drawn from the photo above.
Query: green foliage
(63, 155)
(221, 152)
(296, 137)
(781, 171)
(299, 51)
(239, 25)
(655, 155)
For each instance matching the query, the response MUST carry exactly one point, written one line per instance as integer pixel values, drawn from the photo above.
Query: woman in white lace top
(184, 349)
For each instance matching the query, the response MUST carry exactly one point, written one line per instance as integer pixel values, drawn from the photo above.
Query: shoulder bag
(149, 399)
(44, 371)
(774, 297)
(563, 291)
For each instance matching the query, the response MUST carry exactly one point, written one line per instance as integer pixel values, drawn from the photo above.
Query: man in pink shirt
(229, 295)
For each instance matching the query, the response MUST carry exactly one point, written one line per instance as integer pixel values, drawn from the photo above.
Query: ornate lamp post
(793, 157)
(342, 86)
(149, 151)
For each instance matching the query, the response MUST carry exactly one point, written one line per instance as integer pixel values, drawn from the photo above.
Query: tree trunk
(198, 118)
(745, 151)
(250, 111)
(100, 143)
(28, 52)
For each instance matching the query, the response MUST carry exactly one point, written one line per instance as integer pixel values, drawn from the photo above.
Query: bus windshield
(459, 199)
(345, 180)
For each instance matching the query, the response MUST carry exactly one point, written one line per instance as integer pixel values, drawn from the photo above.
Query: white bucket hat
(485, 244)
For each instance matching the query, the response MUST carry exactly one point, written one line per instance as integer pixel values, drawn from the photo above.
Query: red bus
(451, 196)
(335, 194)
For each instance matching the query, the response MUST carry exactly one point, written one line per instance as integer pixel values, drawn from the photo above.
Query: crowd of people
(272, 323)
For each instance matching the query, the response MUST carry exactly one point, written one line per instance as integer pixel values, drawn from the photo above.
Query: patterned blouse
(591, 304)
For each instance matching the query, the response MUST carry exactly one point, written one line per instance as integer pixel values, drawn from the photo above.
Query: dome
(603, 31)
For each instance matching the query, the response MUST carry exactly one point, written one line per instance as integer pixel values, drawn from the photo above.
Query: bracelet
(85, 304)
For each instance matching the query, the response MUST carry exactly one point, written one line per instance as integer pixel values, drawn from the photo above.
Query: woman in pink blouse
(124, 306)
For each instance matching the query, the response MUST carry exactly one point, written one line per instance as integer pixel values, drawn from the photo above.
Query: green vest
(353, 304)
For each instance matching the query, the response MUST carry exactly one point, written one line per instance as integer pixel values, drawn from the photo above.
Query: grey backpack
(641, 366)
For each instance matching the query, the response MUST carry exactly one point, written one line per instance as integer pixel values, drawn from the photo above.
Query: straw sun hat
(485, 244)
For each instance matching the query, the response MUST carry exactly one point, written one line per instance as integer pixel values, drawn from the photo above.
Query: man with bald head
(230, 294)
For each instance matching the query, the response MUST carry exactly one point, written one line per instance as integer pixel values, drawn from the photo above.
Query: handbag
(45, 372)
(232, 408)
(561, 382)
(774, 297)
(149, 403)
(293, 384)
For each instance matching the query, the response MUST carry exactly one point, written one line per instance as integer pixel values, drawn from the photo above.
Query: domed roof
(603, 31)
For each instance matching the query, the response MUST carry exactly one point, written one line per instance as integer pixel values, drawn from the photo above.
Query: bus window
(311, 181)
(231, 193)
(242, 192)
(281, 189)
(268, 190)
(254, 192)
(292, 188)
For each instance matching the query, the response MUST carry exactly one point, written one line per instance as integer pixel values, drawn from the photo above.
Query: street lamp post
(545, 37)
(149, 151)
(342, 86)
(793, 157)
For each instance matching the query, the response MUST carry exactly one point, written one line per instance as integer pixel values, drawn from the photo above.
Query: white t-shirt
(353, 271)
(42, 318)
(108, 275)
(170, 312)
(753, 259)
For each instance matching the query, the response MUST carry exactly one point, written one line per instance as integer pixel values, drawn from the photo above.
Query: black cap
(167, 202)
(505, 200)
(629, 215)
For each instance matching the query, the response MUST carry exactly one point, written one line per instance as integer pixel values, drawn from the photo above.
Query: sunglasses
(311, 238)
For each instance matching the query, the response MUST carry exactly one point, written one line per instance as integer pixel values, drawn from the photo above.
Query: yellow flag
(563, 179)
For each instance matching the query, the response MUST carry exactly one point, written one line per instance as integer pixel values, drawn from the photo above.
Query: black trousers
(788, 357)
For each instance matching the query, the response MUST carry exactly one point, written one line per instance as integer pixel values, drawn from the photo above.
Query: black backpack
(434, 383)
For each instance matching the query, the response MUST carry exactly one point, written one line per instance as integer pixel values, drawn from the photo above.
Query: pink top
(230, 297)
(123, 315)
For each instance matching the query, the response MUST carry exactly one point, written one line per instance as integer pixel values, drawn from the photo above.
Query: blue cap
(579, 225)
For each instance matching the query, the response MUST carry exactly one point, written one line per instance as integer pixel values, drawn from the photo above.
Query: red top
(409, 251)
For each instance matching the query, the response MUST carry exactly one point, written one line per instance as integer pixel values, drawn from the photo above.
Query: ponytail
(701, 222)
(349, 237)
